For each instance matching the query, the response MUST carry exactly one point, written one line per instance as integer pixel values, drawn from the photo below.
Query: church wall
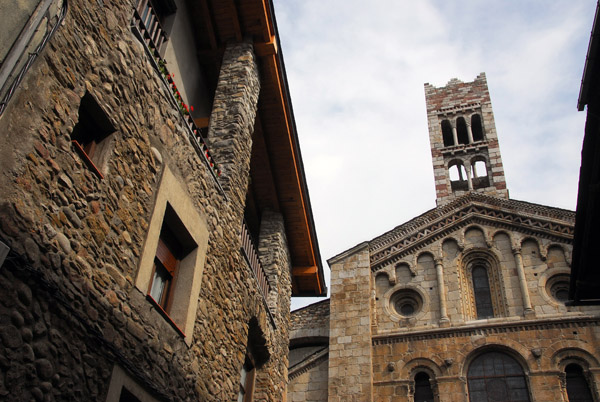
(311, 385)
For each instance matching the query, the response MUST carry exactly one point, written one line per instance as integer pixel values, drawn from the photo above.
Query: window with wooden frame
(92, 135)
(166, 262)
(174, 244)
(247, 376)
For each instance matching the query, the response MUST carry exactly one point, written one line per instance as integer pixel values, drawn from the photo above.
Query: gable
(553, 224)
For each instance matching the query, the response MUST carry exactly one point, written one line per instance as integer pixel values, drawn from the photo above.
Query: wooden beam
(235, 20)
(267, 48)
(210, 29)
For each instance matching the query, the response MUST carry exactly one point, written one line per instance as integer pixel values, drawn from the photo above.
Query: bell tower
(464, 143)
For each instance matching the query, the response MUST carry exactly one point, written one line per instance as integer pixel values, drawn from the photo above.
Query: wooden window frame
(92, 134)
(247, 382)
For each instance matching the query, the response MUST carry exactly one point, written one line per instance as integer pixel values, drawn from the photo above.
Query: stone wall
(349, 327)
(70, 310)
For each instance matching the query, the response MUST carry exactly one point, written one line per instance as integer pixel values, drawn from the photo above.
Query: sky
(356, 71)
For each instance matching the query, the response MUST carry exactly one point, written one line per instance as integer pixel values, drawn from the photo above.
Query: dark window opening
(495, 376)
(461, 128)
(476, 127)
(447, 133)
(481, 291)
(127, 396)
(423, 392)
(578, 389)
(92, 134)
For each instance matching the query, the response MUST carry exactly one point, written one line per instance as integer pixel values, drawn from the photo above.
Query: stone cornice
(486, 329)
(310, 362)
(552, 223)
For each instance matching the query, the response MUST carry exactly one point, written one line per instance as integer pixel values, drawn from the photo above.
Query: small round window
(557, 287)
(406, 302)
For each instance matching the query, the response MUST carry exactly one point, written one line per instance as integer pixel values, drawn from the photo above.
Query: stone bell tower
(464, 143)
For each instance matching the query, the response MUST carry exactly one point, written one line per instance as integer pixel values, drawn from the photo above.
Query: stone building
(465, 302)
(154, 213)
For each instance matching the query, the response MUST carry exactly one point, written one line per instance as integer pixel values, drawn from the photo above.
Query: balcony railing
(149, 26)
(251, 255)
(148, 30)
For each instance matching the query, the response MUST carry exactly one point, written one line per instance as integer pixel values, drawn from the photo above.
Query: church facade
(465, 302)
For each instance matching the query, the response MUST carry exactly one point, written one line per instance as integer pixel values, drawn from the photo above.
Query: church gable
(551, 224)
(482, 269)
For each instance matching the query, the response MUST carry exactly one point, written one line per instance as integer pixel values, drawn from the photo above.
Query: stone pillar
(275, 258)
(469, 180)
(454, 135)
(232, 118)
(439, 269)
(470, 133)
(527, 310)
(350, 351)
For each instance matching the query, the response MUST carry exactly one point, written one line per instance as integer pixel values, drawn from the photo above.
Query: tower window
(92, 135)
(480, 174)
(476, 127)
(458, 177)
(447, 133)
(461, 128)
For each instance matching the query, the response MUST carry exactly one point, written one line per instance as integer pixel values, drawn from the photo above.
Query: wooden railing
(149, 25)
(249, 251)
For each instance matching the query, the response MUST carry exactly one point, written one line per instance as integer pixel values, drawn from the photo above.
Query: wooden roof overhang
(278, 178)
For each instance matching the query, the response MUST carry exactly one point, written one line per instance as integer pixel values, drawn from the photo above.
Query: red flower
(191, 108)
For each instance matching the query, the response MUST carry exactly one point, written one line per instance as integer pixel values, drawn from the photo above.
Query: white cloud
(356, 71)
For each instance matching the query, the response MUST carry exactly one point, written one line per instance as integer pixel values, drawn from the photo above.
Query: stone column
(454, 135)
(439, 269)
(232, 118)
(350, 350)
(470, 133)
(469, 180)
(275, 258)
(527, 310)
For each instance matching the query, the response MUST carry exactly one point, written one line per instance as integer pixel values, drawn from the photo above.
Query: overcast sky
(356, 71)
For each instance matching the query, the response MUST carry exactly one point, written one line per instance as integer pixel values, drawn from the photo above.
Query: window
(246, 383)
(171, 249)
(92, 134)
(124, 388)
(481, 292)
(172, 260)
(476, 127)
(461, 128)
(578, 389)
(406, 302)
(458, 176)
(423, 392)
(495, 376)
(174, 244)
(447, 133)
(557, 287)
